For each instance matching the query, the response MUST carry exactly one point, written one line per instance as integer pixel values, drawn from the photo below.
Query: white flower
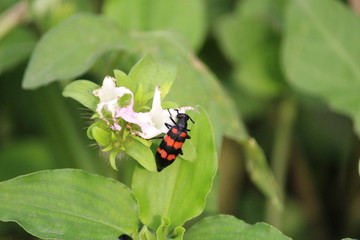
(109, 95)
(153, 123)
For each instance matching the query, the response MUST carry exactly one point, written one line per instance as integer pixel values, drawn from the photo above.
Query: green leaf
(69, 49)
(225, 227)
(101, 136)
(321, 53)
(81, 91)
(99, 124)
(162, 229)
(122, 79)
(189, 151)
(15, 47)
(146, 234)
(69, 204)
(261, 173)
(136, 149)
(150, 72)
(179, 191)
(150, 15)
(256, 59)
(112, 159)
(179, 233)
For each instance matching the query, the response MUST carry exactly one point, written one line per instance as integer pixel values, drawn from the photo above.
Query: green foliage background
(286, 72)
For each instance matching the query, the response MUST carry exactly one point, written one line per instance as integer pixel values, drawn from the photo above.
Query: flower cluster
(118, 103)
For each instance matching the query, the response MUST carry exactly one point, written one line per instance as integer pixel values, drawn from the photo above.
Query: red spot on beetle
(162, 152)
(169, 141)
(183, 134)
(178, 145)
(171, 157)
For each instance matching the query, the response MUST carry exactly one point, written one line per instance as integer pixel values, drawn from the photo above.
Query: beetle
(171, 145)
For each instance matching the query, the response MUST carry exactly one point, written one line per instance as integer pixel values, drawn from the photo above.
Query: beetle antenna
(191, 119)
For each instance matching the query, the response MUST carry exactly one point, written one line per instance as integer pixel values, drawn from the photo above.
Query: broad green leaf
(321, 54)
(69, 49)
(141, 153)
(179, 191)
(81, 91)
(149, 73)
(187, 17)
(225, 227)
(69, 204)
(261, 173)
(15, 48)
(189, 151)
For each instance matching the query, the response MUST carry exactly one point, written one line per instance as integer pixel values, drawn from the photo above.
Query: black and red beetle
(171, 145)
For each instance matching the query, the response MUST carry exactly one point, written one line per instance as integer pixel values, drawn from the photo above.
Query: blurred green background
(291, 67)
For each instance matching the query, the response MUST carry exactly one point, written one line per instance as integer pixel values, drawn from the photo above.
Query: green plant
(165, 200)
(288, 66)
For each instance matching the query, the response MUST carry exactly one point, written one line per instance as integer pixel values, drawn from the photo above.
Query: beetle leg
(159, 137)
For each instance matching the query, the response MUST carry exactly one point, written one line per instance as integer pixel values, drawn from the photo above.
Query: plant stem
(307, 193)
(280, 153)
(231, 171)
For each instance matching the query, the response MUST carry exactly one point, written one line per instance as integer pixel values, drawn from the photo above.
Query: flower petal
(109, 95)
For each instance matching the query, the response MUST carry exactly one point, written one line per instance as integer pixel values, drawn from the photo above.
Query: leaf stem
(280, 153)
